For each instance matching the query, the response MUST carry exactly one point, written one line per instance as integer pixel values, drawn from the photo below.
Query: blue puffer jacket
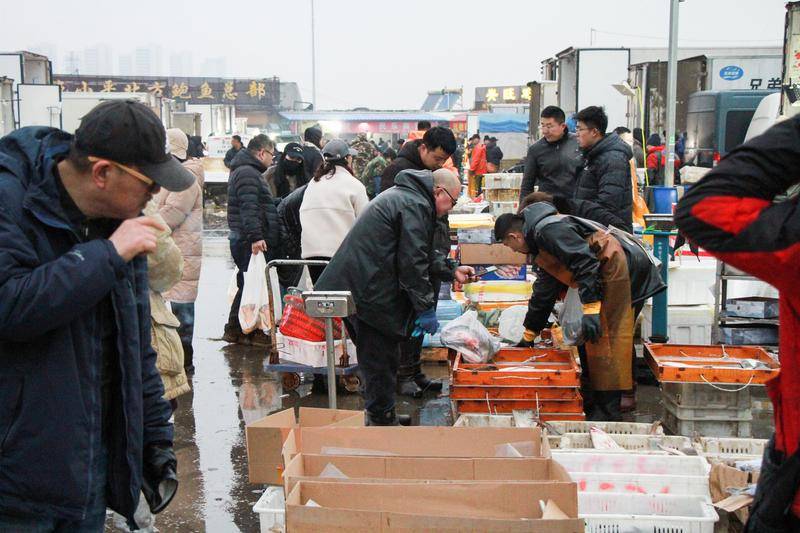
(50, 354)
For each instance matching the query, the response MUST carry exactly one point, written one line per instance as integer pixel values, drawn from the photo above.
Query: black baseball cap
(129, 133)
(293, 150)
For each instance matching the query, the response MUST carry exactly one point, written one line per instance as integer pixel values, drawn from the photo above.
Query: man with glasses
(553, 162)
(253, 222)
(606, 176)
(83, 420)
(429, 153)
(386, 262)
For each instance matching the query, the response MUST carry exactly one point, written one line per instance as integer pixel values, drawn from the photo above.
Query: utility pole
(672, 83)
(313, 61)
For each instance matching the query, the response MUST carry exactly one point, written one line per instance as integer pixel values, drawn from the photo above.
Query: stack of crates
(501, 190)
(704, 410)
(545, 381)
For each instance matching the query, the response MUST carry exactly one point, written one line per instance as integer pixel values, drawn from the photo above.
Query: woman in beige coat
(183, 213)
(164, 270)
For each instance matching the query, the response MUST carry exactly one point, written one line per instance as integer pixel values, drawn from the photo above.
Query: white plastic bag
(468, 336)
(571, 318)
(254, 307)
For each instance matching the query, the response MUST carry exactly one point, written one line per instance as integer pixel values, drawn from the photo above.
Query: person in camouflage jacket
(366, 151)
(375, 169)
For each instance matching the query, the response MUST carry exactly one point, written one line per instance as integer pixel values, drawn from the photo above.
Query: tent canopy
(503, 123)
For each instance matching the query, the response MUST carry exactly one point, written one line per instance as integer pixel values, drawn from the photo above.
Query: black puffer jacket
(606, 177)
(494, 154)
(564, 237)
(385, 259)
(552, 166)
(407, 159)
(252, 215)
(291, 234)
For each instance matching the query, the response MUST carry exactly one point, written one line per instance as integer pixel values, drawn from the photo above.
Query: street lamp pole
(313, 61)
(672, 83)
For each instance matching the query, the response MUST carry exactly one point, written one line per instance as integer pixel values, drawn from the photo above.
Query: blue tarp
(503, 123)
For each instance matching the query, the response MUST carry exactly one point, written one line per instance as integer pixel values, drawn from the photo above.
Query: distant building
(181, 64)
(98, 60)
(443, 100)
(214, 66)
(124, 65)
(147, 61)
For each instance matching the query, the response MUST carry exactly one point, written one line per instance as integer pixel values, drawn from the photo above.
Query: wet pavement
(230, 388)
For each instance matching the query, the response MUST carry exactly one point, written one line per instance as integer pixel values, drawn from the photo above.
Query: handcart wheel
(290, 380)
(351, 383)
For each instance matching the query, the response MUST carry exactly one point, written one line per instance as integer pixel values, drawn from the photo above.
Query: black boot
(406, 386)
(188, 357)
(233, 333)
(387, 418)
(425, 384)
(606, 406)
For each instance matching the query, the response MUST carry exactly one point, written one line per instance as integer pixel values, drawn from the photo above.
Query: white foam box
(691, 282)
(686, 324)
(311, 353)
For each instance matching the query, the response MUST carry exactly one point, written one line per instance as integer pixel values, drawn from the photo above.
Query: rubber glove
(160, 479)
(527, 339)
(590, 324)
(427, 322)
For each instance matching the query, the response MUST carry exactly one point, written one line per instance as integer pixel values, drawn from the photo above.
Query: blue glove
(427, 322)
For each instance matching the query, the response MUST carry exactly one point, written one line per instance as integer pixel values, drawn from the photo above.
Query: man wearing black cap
(312, 151)
(83, 421)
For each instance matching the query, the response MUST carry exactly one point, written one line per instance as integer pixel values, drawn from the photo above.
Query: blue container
(663, 198)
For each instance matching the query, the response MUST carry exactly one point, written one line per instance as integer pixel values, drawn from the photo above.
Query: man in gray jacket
(553, 162)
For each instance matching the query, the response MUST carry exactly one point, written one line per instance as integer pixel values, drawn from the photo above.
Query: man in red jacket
(477, 162)
(733, 214)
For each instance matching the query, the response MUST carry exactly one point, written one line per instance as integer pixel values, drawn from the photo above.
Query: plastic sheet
(571, 318)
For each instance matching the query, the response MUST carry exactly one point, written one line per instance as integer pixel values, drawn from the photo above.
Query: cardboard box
(510, 272)
(418, 441)
(490, 254)
(431, 506)
(309, 467)
(265, 437)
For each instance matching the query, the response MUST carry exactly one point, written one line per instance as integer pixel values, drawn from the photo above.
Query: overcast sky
(381, 54)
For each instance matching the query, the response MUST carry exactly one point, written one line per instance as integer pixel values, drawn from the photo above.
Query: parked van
(717, 122)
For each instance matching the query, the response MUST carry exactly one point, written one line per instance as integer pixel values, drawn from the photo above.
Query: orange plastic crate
(466, 392)
(544, 368)
(507, 406)
(708, 364)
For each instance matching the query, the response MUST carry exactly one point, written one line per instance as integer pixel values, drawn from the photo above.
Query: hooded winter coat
(385, 259)
(606, 177)
(51, 282)
(564, 237)
(252, 214)
(183, 213)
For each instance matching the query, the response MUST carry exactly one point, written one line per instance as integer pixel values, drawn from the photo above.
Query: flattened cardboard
(490, 254)
(309, 467)
(265, 437)
(453, 506)
(417, 441)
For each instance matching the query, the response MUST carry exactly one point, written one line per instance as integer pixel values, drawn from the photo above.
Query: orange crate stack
(546, 381)
(710, 364)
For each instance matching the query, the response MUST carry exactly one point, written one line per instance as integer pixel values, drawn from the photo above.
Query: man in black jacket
(553, 162)
(83, 420)
(494, 156)
(252, 220)
(385, 262)
(236, 147)
(430, 153)
(606, 176)
(291, 235)
(613, 276)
